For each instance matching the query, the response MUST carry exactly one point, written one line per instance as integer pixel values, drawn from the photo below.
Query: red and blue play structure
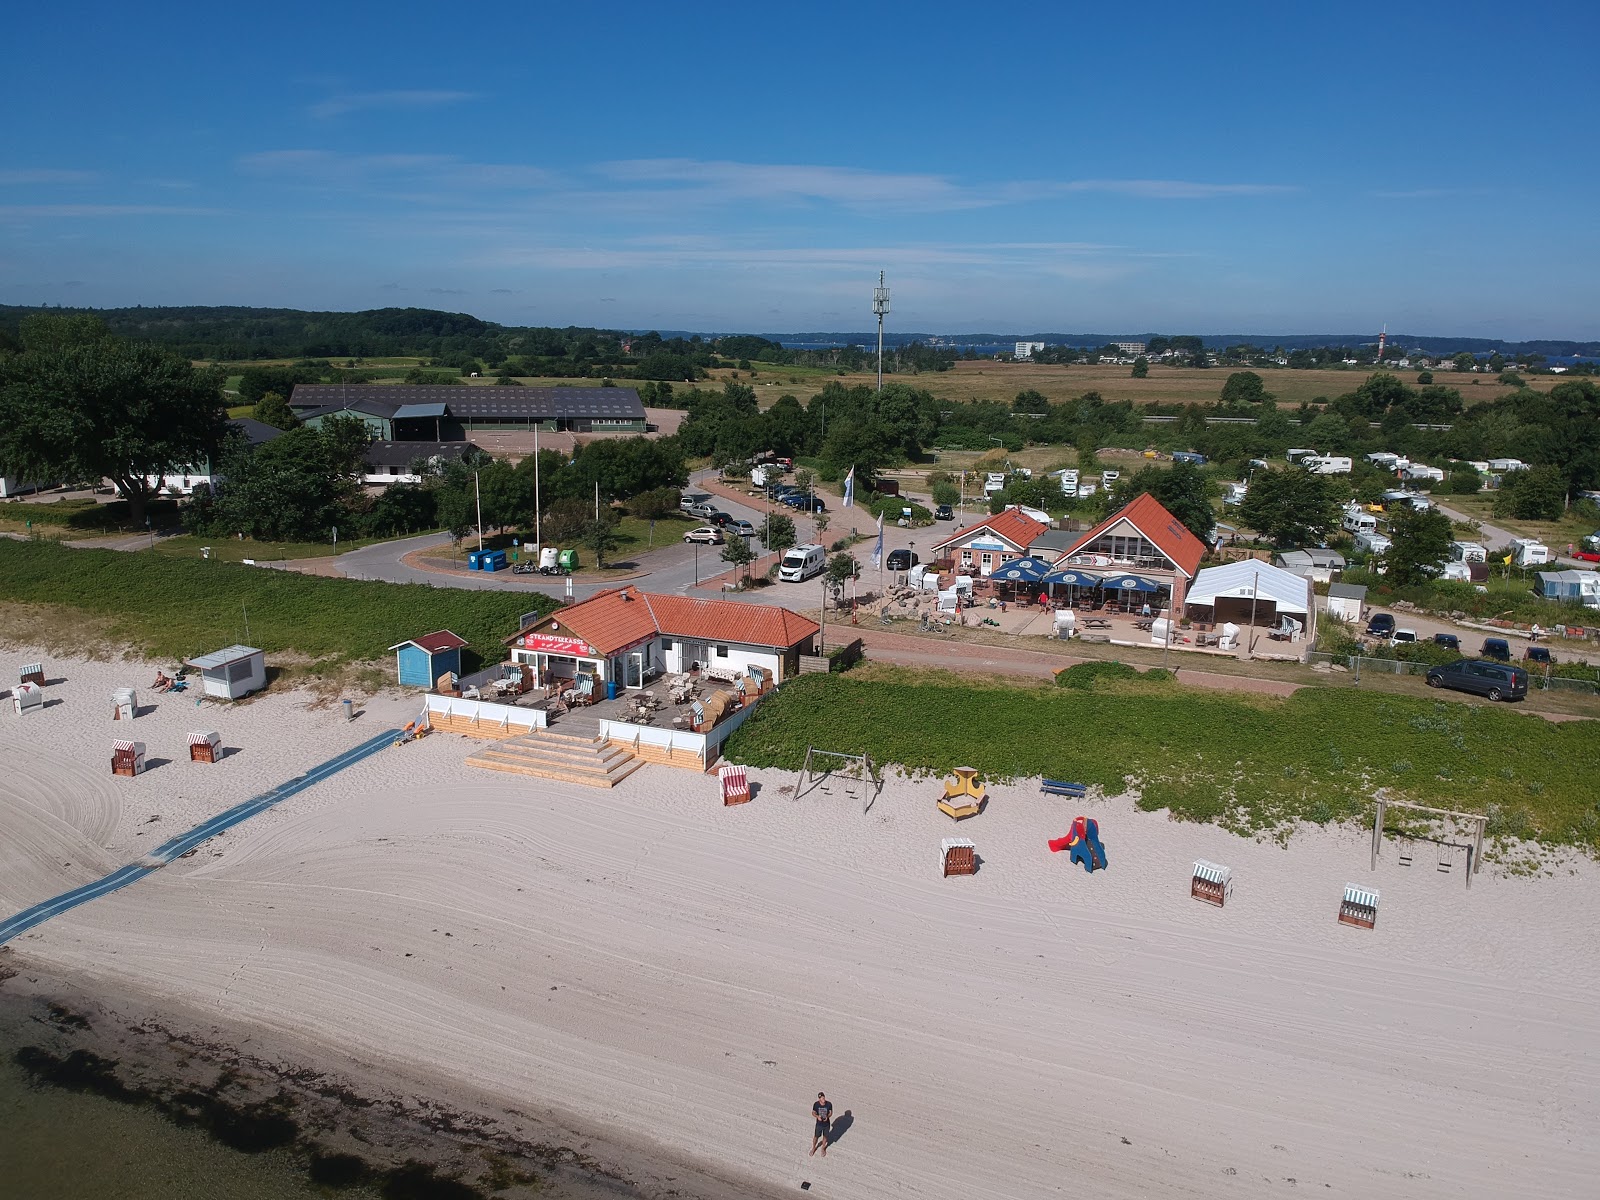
(1083, 844)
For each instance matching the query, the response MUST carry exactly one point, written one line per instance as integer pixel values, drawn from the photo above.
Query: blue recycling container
(611, 689)
(474, 560)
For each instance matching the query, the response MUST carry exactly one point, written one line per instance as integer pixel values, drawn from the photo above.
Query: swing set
(1446, 857)
(854, 773)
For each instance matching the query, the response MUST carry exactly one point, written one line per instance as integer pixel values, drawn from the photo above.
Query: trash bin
(349, 710)
(611, 689)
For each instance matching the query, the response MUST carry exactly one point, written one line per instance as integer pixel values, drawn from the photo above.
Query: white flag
(850, 488)
(877, 550)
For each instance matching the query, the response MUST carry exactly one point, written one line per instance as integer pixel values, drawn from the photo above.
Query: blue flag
(850, 488)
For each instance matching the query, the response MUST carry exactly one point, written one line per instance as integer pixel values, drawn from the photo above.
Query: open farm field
(1000, 381)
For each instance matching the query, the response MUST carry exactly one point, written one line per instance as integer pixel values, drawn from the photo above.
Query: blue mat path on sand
(184, 842)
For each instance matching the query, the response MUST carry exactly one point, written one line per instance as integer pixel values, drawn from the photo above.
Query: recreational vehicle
(1529, 552)
(802, 562)
(1468, 552)
(1326, 464)
(1359, 522)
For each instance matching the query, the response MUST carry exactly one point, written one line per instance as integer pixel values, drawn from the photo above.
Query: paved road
(174, 848)
(672, 568)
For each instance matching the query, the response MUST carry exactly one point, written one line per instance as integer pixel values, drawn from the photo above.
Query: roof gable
(1157, 526)
(1011, 526)
(434, 643)
(612, 620)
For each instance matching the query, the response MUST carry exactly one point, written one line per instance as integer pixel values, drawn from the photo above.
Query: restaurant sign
(552, 643)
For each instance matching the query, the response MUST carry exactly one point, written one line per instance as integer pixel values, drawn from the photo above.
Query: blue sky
(1169, 167)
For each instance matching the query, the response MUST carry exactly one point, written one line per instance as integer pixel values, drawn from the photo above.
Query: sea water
(57, 1144)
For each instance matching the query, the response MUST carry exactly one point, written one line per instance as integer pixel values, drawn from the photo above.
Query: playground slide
(1083, 843)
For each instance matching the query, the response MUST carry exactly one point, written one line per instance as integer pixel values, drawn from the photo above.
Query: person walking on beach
(822, 1114)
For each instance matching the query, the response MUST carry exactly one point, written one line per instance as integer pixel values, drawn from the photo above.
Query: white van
(1359, 522)
(1372, 543)
(802, 562)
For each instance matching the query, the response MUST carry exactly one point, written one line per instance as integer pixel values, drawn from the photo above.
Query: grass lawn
(82, 517)
(1250, 763)
(1572, 527)
(227, 549)
(179, 607)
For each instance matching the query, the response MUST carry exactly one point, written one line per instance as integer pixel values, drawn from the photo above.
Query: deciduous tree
(1291, 507)
(1419, 544)
(78, 403)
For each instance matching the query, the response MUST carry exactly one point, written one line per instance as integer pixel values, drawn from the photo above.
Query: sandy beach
(679, 980)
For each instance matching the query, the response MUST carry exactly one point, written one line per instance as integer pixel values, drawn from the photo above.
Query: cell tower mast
(880, 305)
(1382, 337)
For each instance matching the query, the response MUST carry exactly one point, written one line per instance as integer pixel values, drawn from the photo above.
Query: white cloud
(349, 102)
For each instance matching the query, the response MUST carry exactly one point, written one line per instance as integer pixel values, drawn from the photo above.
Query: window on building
(722, 652)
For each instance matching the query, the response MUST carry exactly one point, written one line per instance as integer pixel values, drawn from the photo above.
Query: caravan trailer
(1529, 552)
(1326, 464)
(1468, 552)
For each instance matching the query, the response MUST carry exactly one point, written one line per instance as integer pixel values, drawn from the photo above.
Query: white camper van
(1358, 522)
(1468, 552)
(802, 562)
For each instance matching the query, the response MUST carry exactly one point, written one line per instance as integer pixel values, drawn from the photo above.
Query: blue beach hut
(422, 660)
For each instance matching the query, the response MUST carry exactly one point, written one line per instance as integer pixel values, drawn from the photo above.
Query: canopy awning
(1074, 577)
(1022, 570)
(1130, 583)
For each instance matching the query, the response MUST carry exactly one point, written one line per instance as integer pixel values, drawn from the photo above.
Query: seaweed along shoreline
(357, 1126)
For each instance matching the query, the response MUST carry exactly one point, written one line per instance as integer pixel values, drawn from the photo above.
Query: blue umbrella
(1131, 583)
(1022, 570)
(1073, 576)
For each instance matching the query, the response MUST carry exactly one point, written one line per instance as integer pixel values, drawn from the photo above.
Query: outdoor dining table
(1097, 623)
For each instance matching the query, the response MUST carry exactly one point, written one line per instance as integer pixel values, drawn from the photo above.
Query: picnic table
(1097, 623)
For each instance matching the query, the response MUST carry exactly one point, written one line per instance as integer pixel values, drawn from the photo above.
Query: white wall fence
(486, 713)
(702, 745)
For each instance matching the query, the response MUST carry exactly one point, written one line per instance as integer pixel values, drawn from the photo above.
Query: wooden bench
(1058, 787)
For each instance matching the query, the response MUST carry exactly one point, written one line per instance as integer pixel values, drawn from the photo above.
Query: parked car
(1496, 681)
(1540, 655)
(1404, 636)
(1496, 648)
(703, 510)
(944, 513)
(902, 560)
(1381, 625)
(805, 502)
(719, 518)
(742, 528)
(708, 535)
(1448, 640)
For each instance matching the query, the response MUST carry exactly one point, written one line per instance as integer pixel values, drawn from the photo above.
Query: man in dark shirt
(822, 1112)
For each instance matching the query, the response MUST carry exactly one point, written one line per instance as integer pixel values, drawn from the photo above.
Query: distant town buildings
(1026, 349)
(1133, 348)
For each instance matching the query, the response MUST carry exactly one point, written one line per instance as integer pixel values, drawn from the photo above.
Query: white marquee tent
(1272, 589)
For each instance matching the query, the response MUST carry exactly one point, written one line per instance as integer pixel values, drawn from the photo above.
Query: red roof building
(990, 543)
(627, 635)
(1142, 537)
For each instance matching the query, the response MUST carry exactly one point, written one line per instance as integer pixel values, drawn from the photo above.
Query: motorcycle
(524, 569)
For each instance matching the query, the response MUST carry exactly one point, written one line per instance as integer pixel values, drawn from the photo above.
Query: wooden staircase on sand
(578, 756)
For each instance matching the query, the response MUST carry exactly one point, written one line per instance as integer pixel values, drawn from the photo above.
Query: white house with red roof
(986, 546)
(626, 635)
(1141, 543)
